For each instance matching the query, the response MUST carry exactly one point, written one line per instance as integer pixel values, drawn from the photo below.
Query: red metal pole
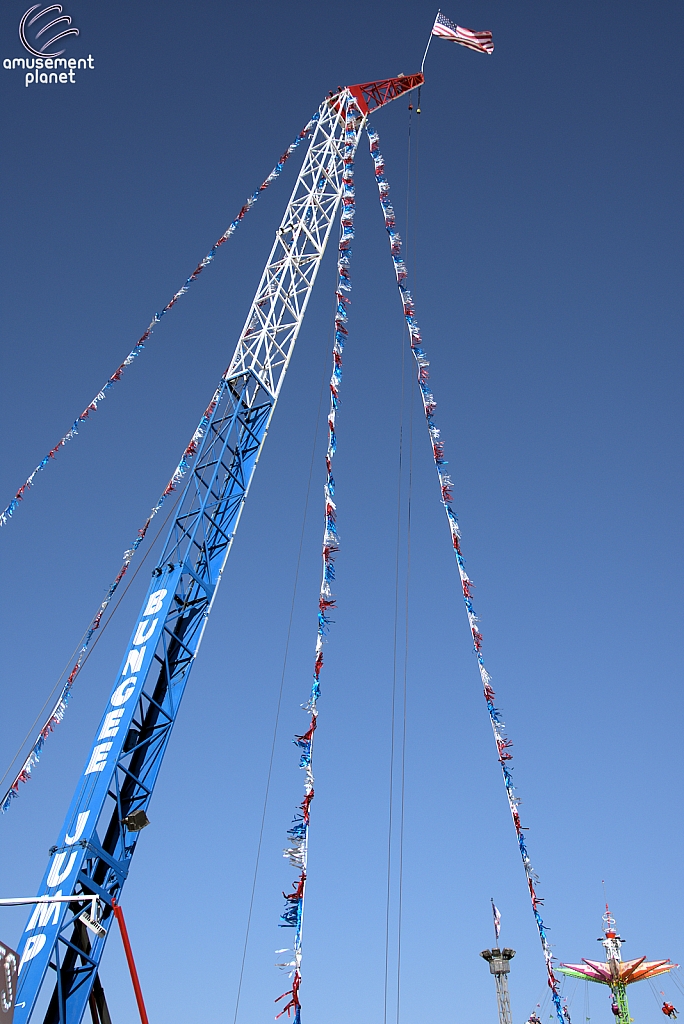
(118, 914)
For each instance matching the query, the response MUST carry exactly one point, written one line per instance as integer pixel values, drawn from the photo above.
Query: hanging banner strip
(9, 511)
(298, 834)
(57, 713)
(503, 744)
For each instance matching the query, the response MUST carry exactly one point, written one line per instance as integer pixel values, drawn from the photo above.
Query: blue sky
(545, 234)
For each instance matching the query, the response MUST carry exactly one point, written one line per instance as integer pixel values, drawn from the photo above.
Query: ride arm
(95, 846)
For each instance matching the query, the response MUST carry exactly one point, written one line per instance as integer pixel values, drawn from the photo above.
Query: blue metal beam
(95, 847)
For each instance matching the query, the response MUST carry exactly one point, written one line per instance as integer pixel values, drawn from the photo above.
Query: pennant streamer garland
(59, 709)
(298, 835)
(8, 512)
(503, 744)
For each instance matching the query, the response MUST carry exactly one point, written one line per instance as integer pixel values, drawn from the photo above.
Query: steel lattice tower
(500, 965)
(62, 944)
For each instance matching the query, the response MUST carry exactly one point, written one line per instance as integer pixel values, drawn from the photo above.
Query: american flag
(445, 29)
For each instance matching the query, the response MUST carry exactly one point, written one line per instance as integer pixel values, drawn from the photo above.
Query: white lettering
(155, 602)
(80, 825)
(111, 723)
(57, 876)
(43, 912)
(123, 691)
(32, 948)
(7, 63)
(98, 758)
(134, 660)
(140, 635)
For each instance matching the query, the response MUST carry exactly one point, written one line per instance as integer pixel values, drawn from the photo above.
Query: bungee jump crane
(96, 843)
(88, 866)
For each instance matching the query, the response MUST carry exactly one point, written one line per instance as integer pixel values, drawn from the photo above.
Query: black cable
(390, 821)
(402, 800)
(397, 562)
(405, 692)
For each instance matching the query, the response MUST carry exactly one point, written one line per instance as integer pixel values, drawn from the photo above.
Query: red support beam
(371, 95)
(118, 914)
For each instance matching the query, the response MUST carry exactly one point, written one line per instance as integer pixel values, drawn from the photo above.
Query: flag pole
(428, 44)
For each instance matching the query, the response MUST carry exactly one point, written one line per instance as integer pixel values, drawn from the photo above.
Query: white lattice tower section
(276, 314)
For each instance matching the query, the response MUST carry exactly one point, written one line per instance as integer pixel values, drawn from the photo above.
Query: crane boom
(95, 846)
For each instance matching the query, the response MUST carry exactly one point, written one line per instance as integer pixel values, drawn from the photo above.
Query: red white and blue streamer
(59, 708)
(503, 744)
(298, 834)
(7, 513)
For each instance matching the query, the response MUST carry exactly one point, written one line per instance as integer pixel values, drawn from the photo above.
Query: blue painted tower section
(94, 849)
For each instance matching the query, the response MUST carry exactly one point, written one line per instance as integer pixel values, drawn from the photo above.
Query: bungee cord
(402, 785)
(7, 513)
(395, 648)
(393, 693)
(503, 744)
(407, 585)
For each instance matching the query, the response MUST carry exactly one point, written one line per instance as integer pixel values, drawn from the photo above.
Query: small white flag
(497, 920)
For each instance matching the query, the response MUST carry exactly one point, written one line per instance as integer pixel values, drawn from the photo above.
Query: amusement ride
(617, 973)
(79, 897)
